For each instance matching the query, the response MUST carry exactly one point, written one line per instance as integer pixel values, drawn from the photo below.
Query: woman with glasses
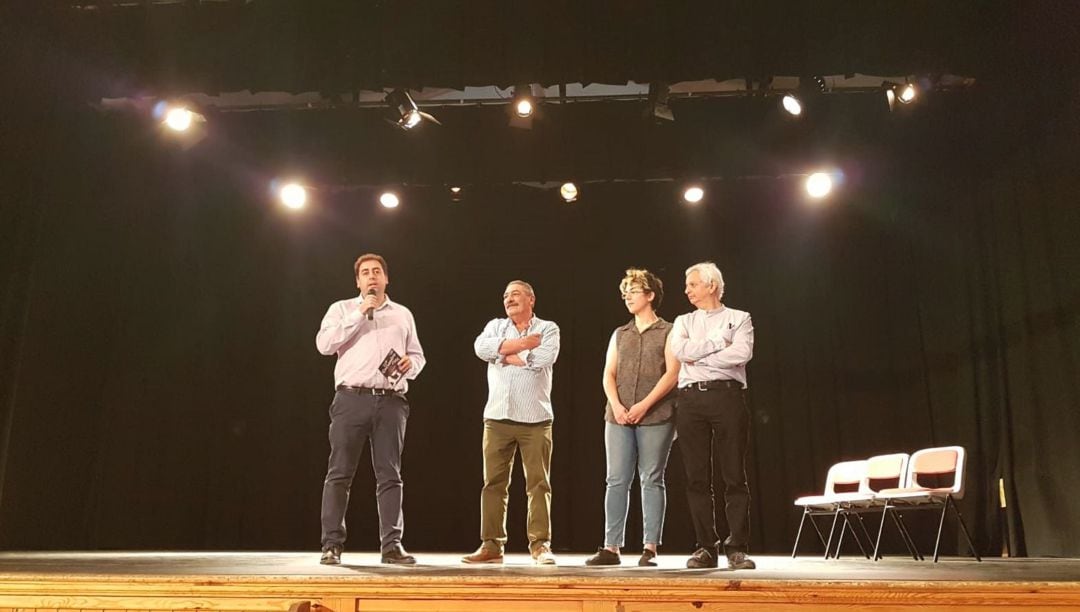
(639, 374)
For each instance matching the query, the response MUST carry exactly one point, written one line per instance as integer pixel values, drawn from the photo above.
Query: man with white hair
(714, 344)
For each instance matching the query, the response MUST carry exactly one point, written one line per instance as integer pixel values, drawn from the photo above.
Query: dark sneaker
(738, 560)
(398, 556)
(701, 559)
(647, 558)
(604, 557)
(331, 555)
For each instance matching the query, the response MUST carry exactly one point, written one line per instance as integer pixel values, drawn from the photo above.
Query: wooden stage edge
(294, 582)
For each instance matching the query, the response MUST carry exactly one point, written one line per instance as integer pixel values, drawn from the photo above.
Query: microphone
(371, 311)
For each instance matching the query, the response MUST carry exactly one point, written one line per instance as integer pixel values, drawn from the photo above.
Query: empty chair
(935, 479)
(841, 482)
(887, 471)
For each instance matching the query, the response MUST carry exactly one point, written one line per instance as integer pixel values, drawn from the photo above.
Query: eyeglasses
(626, 294)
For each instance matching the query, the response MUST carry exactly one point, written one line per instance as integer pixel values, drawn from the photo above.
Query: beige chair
(882, 472)
(842, 482)
(935, 480)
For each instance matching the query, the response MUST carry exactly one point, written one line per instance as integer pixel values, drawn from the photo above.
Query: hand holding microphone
(369, 304)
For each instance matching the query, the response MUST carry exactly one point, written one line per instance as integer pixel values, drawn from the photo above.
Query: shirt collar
(632, 326)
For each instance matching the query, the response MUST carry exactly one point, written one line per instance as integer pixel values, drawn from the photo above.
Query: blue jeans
(646, 449)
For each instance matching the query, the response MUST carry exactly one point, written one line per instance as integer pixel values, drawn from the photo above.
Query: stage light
(407, 115)
(523, 108)
(693, 194)
(890, 98)
(179, 118)
(293, 195)
(569, 192)
(792, 105)
(657, 107)
(389, 199)
(456, 194)
(906, 93)
(818, 185)
(523, 100)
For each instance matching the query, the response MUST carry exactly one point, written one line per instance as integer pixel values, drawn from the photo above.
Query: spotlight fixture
(569, 192)
(792, 105)
(180, 122)
(818, 185)
(657, 108)
(178, 118)
(906, 93)
(890, 98)
(293, 195)
(389, 199)
(524, 102)
(407, 114)
(693, 194)
(522, 107)
(456, 194)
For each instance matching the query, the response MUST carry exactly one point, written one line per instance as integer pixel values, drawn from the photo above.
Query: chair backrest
(885, 471)
(929, 467)
(846, 476)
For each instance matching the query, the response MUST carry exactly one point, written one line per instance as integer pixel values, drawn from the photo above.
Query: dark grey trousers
(354, 420)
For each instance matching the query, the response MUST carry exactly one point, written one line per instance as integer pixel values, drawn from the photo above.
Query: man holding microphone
(378, 352)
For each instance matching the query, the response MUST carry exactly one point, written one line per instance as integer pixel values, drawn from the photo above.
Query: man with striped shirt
(520, 351)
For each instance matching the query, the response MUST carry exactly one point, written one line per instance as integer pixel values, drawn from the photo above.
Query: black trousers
(714, 432)
(356, 420)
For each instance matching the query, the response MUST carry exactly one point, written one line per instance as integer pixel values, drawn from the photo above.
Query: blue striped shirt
(517, 393)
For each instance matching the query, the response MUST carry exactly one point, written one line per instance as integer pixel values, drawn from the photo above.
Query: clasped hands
(631, 415)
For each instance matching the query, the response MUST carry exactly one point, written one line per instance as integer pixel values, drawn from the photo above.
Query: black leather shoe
(737, 560)
(604, 557)
(702, 558)
(331, 555)
(398, 556)
(648, 558)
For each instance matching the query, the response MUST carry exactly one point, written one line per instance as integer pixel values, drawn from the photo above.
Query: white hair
(709, 273)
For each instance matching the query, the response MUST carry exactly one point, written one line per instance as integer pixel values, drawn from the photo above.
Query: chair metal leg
(832, 530)
(905, 534)
(840, 540)
(862, 525)
(798, 534)
(820, 536)
(941, 523)
(960, 519)
(880, 529)
(847, 523)
(807, 513)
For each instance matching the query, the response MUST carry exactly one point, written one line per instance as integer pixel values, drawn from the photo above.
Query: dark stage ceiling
(170, 47)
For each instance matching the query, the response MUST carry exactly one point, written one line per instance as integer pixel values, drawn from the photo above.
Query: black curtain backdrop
(161, 390)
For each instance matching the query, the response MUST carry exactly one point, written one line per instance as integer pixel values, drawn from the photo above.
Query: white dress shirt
(361, 345)
(713, 345)
(519, 393)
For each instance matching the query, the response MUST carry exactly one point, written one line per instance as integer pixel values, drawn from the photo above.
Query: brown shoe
(484, 555)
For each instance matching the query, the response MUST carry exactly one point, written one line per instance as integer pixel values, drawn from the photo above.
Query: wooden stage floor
(85, 581)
